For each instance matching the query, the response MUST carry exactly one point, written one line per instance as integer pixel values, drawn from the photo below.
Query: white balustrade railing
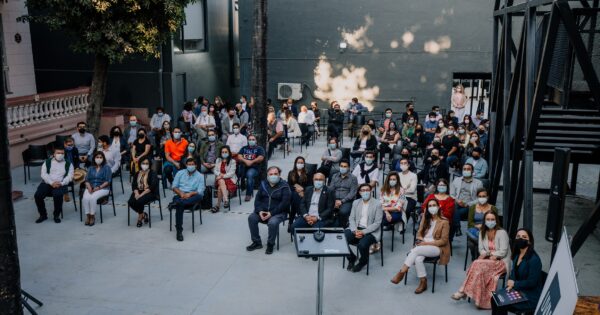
(34, 109)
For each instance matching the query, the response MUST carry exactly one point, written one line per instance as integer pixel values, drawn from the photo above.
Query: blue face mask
(133, 123)
(369, 161)
(160, 114)
(224, 155)
(365, 195)
(191, 168)
(318, 184)
(490, 224)
(467, 174)
(442, 189)
(191, 149)
(211, 138)
(176, 135)
(331, 146)
(273, 179)
(251, 143)
(343, 170)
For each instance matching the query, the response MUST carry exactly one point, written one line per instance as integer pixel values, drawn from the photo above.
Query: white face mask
(404, 167)
(59, 157)
(145, 167)
(98, 161)
(300, 166)
(482, 200)
(433, 210)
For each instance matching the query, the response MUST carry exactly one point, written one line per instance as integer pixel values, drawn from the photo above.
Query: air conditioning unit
(289, 90)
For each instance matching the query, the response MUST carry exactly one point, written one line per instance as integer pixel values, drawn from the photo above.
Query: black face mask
(117, 134)
(405, 156)
(435, 157)
(365, 133)
(476, 157)
(481, 131)
(437, 145)
(521, 243)
(141, 135)
(81, 130)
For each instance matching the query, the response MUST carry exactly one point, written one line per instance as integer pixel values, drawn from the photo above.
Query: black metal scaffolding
(533, 96)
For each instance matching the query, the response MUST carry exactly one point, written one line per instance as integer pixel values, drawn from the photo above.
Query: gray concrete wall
(385, 62)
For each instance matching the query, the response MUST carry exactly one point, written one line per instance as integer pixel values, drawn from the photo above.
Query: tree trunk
(10, 275)
(259, 76)
(97, 94)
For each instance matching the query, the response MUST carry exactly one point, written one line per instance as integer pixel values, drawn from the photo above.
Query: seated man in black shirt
(451, 144)
(434, 170)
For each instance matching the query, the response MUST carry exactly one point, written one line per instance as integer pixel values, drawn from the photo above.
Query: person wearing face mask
(225, 178)
(451, 118)
(306, 122)
(243, 116)
(156, 122)
(271, 205)
(494, 260)
(330, 160)
(187, 117)
(430, 127)
(475, 220)
(478, 117)
(345, 186)
(117, 142)
(56, 173)
(227, 124)
(409, 129)
(204, 122)
(440, 130)
(451, 145)
(71, 153)
(389, 140)
(483, 134)
(463, 137)
(436, 109)
(405, 153)
(468, 123)
(174, 150)
(97, 183)
(410, 113)
(298, 180)
(434, 170)
(112, 157)
(131, 130)
(85, 143)
(384, 124)
(367, 171)
(431, 241)
(525, 276)
(293, 129)
(140, 148)
(480, 166)
(249, 158)
(214, 113)
(144, 190)
(363, 229)
(275, 133)
(408, 181)
(445, 201)
(363, 143)
(316, 206)
(237, 140)
(314, 107)
(164, 134)
(464, 191)
(209, 152)
(191, 152)
(417, 140)
(335, 122)
(188, 187)
(393, 203)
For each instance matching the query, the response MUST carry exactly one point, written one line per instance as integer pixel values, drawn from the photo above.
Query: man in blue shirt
(249, 159)
(188, 187)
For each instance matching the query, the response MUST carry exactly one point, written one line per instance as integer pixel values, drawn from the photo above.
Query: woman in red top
(446, 202)
(225, 178)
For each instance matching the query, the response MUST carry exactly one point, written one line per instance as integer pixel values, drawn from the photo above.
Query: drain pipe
(160, 78)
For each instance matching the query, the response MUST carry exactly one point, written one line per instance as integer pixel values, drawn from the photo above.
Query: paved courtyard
(113, 268)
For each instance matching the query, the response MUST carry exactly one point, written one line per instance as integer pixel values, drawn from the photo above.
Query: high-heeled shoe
(399, 276)
(458, 296)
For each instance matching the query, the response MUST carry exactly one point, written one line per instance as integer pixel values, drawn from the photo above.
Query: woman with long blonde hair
(459, 101)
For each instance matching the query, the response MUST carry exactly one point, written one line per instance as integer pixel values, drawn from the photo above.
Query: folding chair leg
(160, 207)
(128, 215)
(150, 215)
(193, 223)
(101, 220)
(433, 282)
(170, 220)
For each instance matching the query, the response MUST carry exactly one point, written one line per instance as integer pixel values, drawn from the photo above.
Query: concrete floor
(113, 268)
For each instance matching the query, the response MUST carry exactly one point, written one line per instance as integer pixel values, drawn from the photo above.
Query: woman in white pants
(432, 241)
(97, 184)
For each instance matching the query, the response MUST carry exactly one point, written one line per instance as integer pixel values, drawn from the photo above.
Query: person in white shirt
(408, 181)
(367, 171)
(236, 141)
(156, 122)
(204, 122)
(306, 120)
(112, 156)
(56, 173)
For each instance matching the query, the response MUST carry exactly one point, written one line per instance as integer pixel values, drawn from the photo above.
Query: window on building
(191, 36)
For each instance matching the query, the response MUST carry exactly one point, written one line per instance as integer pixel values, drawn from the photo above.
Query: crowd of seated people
(395, 154)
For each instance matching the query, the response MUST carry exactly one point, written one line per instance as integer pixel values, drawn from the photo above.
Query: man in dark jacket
(316, 208)
(434, 169)
(335, 125)
(271, 206)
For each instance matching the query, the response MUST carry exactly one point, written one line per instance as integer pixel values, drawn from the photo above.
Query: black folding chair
(434, 261)
(193, 208)
(149, 205)
(34, 155)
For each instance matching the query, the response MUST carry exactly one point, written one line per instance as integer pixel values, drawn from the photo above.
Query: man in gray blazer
(227, 124)
(316, 207)
(364, 224)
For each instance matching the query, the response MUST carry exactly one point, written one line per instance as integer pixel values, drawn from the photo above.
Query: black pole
(10, 275)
